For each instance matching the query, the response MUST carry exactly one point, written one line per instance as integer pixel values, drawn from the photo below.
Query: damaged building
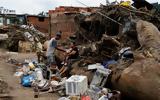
(13, 27)
(62, 18)
(104, 33)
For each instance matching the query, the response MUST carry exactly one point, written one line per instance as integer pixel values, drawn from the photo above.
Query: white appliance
(76, 85)
(100, 77)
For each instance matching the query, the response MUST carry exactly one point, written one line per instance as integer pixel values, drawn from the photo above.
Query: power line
(101, 14)
(82, 3)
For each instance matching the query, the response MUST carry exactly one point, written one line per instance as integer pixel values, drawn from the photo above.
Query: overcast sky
(36, 6)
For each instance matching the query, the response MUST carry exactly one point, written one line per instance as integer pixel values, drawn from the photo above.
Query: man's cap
(59, 33)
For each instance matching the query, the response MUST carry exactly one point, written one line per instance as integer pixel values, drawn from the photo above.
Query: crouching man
(72, 55)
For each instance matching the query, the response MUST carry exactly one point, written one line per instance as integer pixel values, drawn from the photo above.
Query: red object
(85, 98)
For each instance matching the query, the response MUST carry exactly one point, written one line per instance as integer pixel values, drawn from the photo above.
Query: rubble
(119, 56)
(142, 70)
(14, 36)
(136, 78)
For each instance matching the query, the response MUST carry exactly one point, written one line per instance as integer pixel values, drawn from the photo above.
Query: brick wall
(63, 22)
(39, 23)
(62, 18)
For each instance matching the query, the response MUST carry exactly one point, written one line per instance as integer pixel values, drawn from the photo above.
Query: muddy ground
(15, 90)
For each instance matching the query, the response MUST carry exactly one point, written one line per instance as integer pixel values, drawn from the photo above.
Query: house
(6, 19)
(12, 19)
(62, 19)
(41, 23)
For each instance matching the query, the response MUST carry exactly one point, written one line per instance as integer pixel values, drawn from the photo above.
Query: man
(52, 45)
(71, 56)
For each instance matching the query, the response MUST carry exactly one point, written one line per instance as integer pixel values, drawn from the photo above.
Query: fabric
(51, 47)
(109, 62)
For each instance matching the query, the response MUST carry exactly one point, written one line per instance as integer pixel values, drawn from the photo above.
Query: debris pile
(119, 49)
(39, 77)
(12, 37)
(113, 29)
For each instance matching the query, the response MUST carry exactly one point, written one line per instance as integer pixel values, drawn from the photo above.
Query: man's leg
(67, 68)
(65, 62)
(52, 62)
(63, 70)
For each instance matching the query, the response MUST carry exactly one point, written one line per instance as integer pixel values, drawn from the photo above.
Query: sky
(37, 6)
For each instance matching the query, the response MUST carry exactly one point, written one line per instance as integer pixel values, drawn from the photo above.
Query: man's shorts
(51, 59)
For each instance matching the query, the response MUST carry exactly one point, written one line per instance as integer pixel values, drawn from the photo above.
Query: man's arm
(60, 49)
(72, 53)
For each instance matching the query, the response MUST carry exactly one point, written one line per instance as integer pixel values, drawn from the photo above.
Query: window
(41, 19)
